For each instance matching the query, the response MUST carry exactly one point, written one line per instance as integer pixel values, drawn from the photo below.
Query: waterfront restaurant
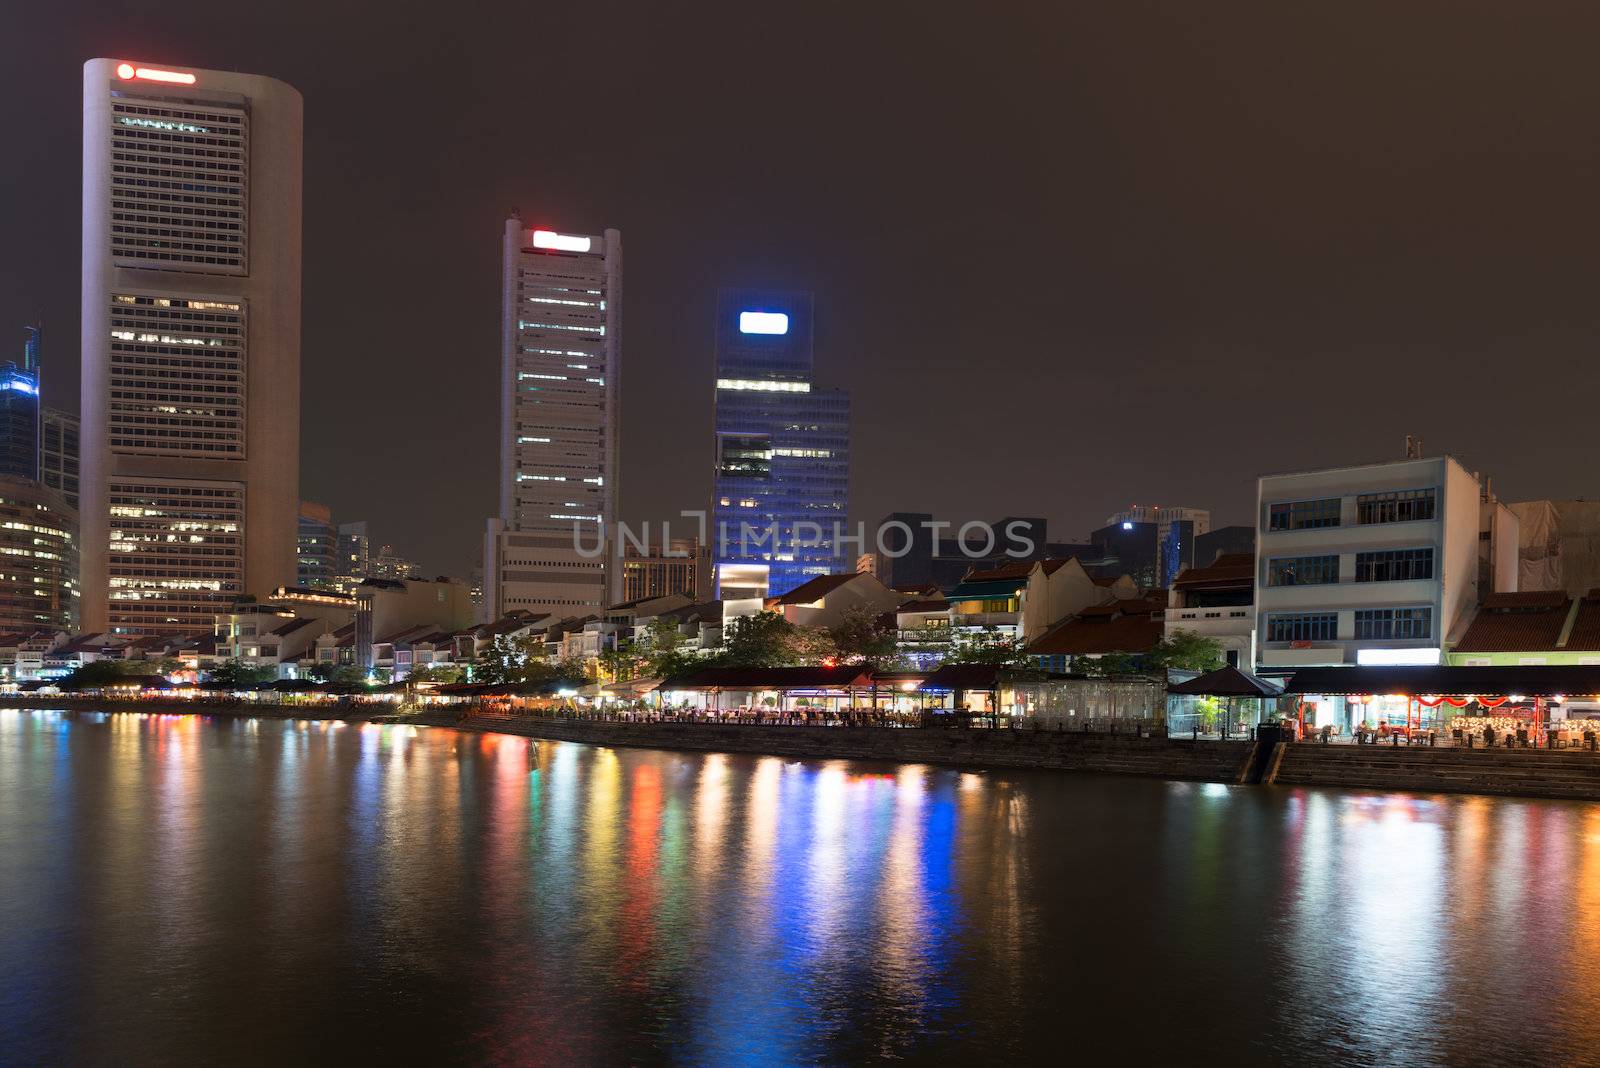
(777, 690)
(1538, 705)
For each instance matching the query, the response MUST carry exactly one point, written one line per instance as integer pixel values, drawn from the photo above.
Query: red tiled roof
(1228, 570)
(1526, 599)
(1586, 630)
(1019, 569)
(1512, 622)
(1087, 636)
(815, 589)
(928, 604)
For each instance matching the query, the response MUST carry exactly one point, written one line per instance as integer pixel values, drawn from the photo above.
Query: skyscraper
(191, 342)
(39, 550)
(559, 370)
(782, 449)
(317, 547)
(19, 411)
(58, 452)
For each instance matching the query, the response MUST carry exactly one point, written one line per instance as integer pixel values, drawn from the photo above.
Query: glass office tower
(782, 449)
(19, 411)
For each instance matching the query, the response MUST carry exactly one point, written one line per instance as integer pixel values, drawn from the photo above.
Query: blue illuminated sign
(759, 322)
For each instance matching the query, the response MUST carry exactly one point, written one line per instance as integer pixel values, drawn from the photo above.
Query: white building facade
(190, 435)
(1377, 564)
(560, 392)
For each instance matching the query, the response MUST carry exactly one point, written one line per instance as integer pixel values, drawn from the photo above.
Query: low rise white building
(1372, 564)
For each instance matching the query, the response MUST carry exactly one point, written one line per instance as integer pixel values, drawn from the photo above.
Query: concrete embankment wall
(1559, 773)
(1119, 754)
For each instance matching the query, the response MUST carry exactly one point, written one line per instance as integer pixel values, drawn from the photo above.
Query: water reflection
(385, 891)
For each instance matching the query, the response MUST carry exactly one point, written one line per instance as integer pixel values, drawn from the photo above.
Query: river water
(184, 890)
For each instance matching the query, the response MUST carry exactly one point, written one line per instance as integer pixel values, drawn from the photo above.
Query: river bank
(1565, 774)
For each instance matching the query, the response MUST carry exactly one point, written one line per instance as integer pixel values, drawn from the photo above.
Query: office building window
(1394, 623)
(1303, 627)
(1302, 570)
(1303, 515)
(1399, 506)
(1394, 565)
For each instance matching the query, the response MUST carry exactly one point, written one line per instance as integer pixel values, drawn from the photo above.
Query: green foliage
(510, 661)
(762, 640)
(94, 674)
(442, 674)
(235, 674)
(860, 637)
(343, 678)
(988, 647)
(1189, 651)
(621, 663)
(1184, 650)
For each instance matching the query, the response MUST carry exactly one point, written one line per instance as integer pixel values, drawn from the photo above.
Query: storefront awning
(1530, 681)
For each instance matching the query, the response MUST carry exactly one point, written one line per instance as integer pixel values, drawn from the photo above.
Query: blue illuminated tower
(19, 411)
(782, 449)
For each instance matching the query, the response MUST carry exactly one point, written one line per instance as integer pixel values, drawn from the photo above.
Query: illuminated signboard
(562, 242)
(129, 72)
(758, 322)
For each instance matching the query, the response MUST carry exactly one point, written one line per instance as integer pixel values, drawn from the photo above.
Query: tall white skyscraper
(191, 342)
(559, 390)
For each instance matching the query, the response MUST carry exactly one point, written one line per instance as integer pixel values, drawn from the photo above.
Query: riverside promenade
(1560, 774)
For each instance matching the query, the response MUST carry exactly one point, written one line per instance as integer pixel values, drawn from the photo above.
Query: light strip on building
(561, 242)
(760, 322)
(128, 72)
(765, 386)
(1397, 657)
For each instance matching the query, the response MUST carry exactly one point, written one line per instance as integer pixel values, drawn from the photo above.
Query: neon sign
(129, 72)
(561, 242)
(759, 322)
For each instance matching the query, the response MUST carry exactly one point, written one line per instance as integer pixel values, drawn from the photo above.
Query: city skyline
(1268, 265)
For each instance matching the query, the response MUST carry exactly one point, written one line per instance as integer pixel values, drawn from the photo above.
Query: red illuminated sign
(129, 72)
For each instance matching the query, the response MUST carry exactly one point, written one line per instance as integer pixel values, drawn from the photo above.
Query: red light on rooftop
(128, 72)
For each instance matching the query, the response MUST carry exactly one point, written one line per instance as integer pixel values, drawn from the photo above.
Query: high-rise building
(1176, 529)
(317, 547)
(559, 367)
(682, 566)
(190, 341)
(386, 563)
(38, 558)
(782, 450)
(354, 554)
(58, 453)
(19, 411)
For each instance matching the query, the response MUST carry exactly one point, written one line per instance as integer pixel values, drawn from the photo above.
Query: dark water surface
(178, 890)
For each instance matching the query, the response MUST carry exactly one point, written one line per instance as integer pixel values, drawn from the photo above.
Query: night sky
(1067, 257)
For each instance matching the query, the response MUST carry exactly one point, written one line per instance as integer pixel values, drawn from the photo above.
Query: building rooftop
(815, 589)
(1226, 571)
(1532, 620)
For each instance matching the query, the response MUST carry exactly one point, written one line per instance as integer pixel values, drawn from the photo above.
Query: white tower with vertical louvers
(191, 342)
(559, 368)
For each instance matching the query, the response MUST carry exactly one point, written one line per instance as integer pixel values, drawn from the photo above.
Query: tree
(620, 663)
(436, 673)
(1188, 651)
(509, 661)
(988, 647)
(95, 673)
(809, 645)
(860, 637)
(344, 678)
(235, 674)
(761, 640)
(1184, 650)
